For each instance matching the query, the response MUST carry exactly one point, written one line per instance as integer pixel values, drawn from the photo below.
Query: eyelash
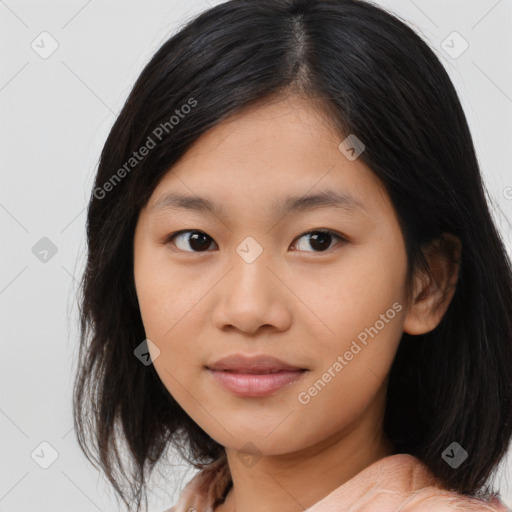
(170, 238)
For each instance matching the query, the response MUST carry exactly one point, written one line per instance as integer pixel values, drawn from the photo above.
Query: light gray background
(55, 115)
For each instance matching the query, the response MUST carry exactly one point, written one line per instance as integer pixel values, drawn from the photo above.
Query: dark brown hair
(372, 76)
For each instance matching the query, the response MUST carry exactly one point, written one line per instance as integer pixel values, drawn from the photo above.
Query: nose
(252, 297)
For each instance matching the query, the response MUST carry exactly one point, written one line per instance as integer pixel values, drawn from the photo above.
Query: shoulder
(440, 500)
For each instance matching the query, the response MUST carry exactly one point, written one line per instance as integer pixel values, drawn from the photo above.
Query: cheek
(345, 298)
(351, 376)
(358, 315)
(169, 303)
(168, 322)
(163, 293)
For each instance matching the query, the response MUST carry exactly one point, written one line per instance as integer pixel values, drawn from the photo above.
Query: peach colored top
(398, 482)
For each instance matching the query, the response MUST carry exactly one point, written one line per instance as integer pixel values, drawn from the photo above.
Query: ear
(433, 292)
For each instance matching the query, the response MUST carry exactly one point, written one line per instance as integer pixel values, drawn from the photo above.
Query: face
(319, 286)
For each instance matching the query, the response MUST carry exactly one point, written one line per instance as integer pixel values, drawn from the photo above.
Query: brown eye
(320, 241)
(197, 241)
(191, 241)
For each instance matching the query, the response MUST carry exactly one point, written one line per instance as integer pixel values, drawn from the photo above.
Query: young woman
(293, 276)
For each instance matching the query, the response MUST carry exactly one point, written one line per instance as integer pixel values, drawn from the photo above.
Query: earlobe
(434, 290)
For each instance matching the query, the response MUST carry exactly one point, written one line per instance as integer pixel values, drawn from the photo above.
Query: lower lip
(255, 385)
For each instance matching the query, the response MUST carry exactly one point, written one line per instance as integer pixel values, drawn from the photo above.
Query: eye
(320, 240)
(197, 240)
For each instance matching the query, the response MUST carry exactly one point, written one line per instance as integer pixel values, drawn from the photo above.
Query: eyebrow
(322, 199)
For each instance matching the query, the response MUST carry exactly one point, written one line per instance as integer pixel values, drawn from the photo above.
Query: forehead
(282, 156)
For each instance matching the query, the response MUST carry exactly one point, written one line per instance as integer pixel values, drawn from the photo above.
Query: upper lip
(251, 364)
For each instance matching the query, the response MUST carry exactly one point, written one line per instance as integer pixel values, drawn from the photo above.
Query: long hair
(370, 75)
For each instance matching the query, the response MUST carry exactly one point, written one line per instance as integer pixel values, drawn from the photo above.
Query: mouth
(254, 376)
(262, 364)
(252, 385)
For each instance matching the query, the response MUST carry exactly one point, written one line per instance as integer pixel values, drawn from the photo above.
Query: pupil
(198, 241)
(320, 240)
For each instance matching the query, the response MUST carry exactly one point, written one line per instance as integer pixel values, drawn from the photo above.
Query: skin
(294, 302)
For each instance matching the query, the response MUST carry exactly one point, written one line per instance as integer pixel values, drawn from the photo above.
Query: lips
(253, 377)
(252, 365)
